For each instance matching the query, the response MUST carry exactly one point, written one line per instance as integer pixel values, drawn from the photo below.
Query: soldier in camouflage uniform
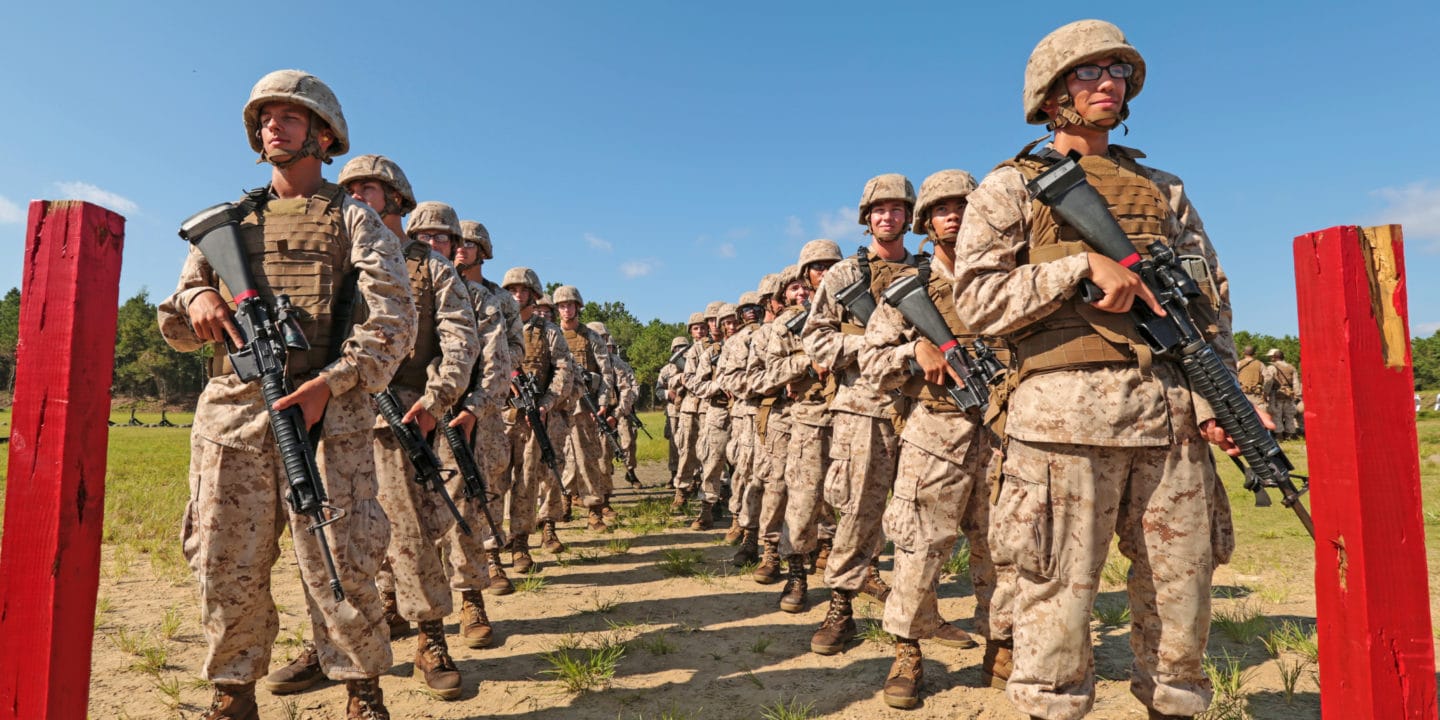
(940, 483)
(1282, 391)
(236, 511)
(629, 390)
(1102, 437)
(732, 376)
(715, 418)
(687, 436)
(863, 446)
(429, 383)
(1252, 374)
(547, 359)
(772, 430)
(669, 392)
(585, 473)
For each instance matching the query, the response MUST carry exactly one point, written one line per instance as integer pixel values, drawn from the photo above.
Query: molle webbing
(582, 349)
(296, 247)
(412, 373)
(1252, 379)
(538, 363)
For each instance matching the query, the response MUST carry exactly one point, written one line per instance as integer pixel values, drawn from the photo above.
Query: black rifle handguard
(909, 296)
(422, 457)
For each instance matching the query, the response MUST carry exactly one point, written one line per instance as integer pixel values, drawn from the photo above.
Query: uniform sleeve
(563, 379)
(173, 313)
(754, 377)
(994, 294)
(730, 372)
(514, 328)
(785, 360)
(705, 372)
(824, 342)
(889, 348)
(664, 378)
(628, 388)
(607, 396)
(377, 346)
(459, 343)
(494, 364)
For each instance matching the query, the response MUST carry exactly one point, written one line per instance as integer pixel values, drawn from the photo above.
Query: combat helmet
(383, 170)
(475, 232)
(769, 285)
(678, 343)
(712, 310)
(937, 187)
(1074, 44)
(524, 277)
(433, 216)
(821, 250)
(568, 293)
(545, 301)
(598, 328)
(306, 90)
(890, 186)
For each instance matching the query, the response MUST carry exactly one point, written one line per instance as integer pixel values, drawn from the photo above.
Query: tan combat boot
(795, 598)
(399, 626)
(951, 636)
(735, 534)
(768, 571)
(838, 627)
(822, 554)
(902, 687)
(706, 519)
(874, 585)
(999, 661)
(233, 702)
(432, 658)
(499, 582)
(520, 554)
(608, 512)
(596, 521)
(749, 550)
(677, 505)
(569, 514)
(367, 701)
(475, 629)
(548, 539)
(301, 674)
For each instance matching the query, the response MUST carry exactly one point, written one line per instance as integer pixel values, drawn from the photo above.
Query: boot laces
(839, 610)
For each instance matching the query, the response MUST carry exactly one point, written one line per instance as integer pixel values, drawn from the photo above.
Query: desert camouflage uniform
(628, 391)
(713, 419)
(691, 418)
(863, 445)
(237, 506)
(731, 377)
(585, 473)
(1094, 452)
(530, 478)
(1252, 375)
(666, 379)
(419, 519)
(1282, 390)
(807, 517)
(774, 442)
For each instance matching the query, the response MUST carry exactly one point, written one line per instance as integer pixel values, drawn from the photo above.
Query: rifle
(856, 296)
(677, 358)
(527, 401)
(464, 454)
(1071, 198)
(909, 296)
(638, 423)
(422, 456)
(267, 334)
(587, 397)
(796, 325)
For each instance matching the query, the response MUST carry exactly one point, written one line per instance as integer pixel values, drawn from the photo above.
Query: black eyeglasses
(1090, 73)
(427, 237)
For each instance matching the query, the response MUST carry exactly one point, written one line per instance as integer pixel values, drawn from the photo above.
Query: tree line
(146, 367)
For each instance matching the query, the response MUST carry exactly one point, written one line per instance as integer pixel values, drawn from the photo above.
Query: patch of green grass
(657, 644)
(760, 645)
(646, 527)
(681, 562)
(153, 657)
(170, 623)
(959, 562)
(1242, 623)
(584, 669)
(1292, 637)
(1228, 676)
(793, 710)
(1111, 613)
(874, 631)
(530, 582)
(1290, 671)
(618, 546)
(601, 606)
(1116, 571)
(127, 642)
(169, 687)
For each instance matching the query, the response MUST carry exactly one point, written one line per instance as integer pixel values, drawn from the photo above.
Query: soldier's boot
(677, 505)
(499, 583)
(233, 702)
(569, 501)
(768, 571)
(302, 673)
(475, 629)
(399, 626)
(874, 585)
(999, 661)
(706, 519)
(795, 598)
(367, 701)
(902, 687)
(596, 522)
(838, 627)
(749, 550)
(432, 658)
(548, 539)
(951, 636)
(822, 554)
(520, 554)
(1157, 715)
(735, 534)
(607, 512)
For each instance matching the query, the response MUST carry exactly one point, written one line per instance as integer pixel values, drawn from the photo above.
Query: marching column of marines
(820, 410)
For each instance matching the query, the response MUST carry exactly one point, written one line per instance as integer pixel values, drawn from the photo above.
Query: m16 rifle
(591, 382)
(527, 400)
(267, 334)
(463, 450)
(908, 295)
(422, 457)
(1071, 198)
(640, 424)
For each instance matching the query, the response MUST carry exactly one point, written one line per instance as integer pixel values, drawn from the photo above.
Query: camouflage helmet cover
(523, 276)
(820, 251)
(434, 217)
(748, 298)
(568, 293)
(937, 187)
(769, 285)
(725, 310)
(1074, 44)
(696, 318)
(678, 343)
(301, 88)
(712, 310)
(475, 232)
(545, 300)
(890, 186)
(598, 328)
(791, 273)
(381, 169)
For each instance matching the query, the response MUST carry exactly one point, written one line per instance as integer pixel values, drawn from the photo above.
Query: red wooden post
(55, 496)
(1377, 656)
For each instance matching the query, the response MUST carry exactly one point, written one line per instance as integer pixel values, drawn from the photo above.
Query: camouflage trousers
(808, 516)
(863, 453)
(547, 484)
(585, 473)
(230, 538)
(1059, 506)
(465, 554)
(933, 498)
(714, 437)
(746, 487)
(419, 520)
(687, 446)
(770, 467)
(1258, 401)
(672, 455)
(1282, 411)
(627, 432)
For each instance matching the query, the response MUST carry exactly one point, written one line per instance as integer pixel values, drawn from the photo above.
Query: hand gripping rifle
(1064, 189)
(527, 400)
(587, 397)
(464, 453)
(909, 296)
(267, 335)
(422, 456)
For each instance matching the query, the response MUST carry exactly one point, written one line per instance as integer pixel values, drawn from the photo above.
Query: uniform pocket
(901, 523)
(1222, 529)
(837, 476)
(1022, 526)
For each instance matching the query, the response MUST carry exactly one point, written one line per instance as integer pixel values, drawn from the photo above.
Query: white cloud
(726, 250)
(10, 212)
(100, 196)
(794, 229)
(599, 243)
(1424, 329)
(1416, 207)
(638, 268)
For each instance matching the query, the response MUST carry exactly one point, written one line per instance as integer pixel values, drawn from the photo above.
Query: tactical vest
(412, 373)
(583, 351)
(1077, 334)
(297, 247)
(879, 273)
(940, 290)
(1252, 378)
(808, 389)
(1284, 381)
(538, 362)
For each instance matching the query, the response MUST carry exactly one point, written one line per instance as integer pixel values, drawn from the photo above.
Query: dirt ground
(713, 645)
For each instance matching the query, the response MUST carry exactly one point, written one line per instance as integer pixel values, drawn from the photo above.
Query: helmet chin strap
(310, 148)
(1065, 116)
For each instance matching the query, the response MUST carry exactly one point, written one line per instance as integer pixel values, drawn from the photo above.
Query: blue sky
(670, 153)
